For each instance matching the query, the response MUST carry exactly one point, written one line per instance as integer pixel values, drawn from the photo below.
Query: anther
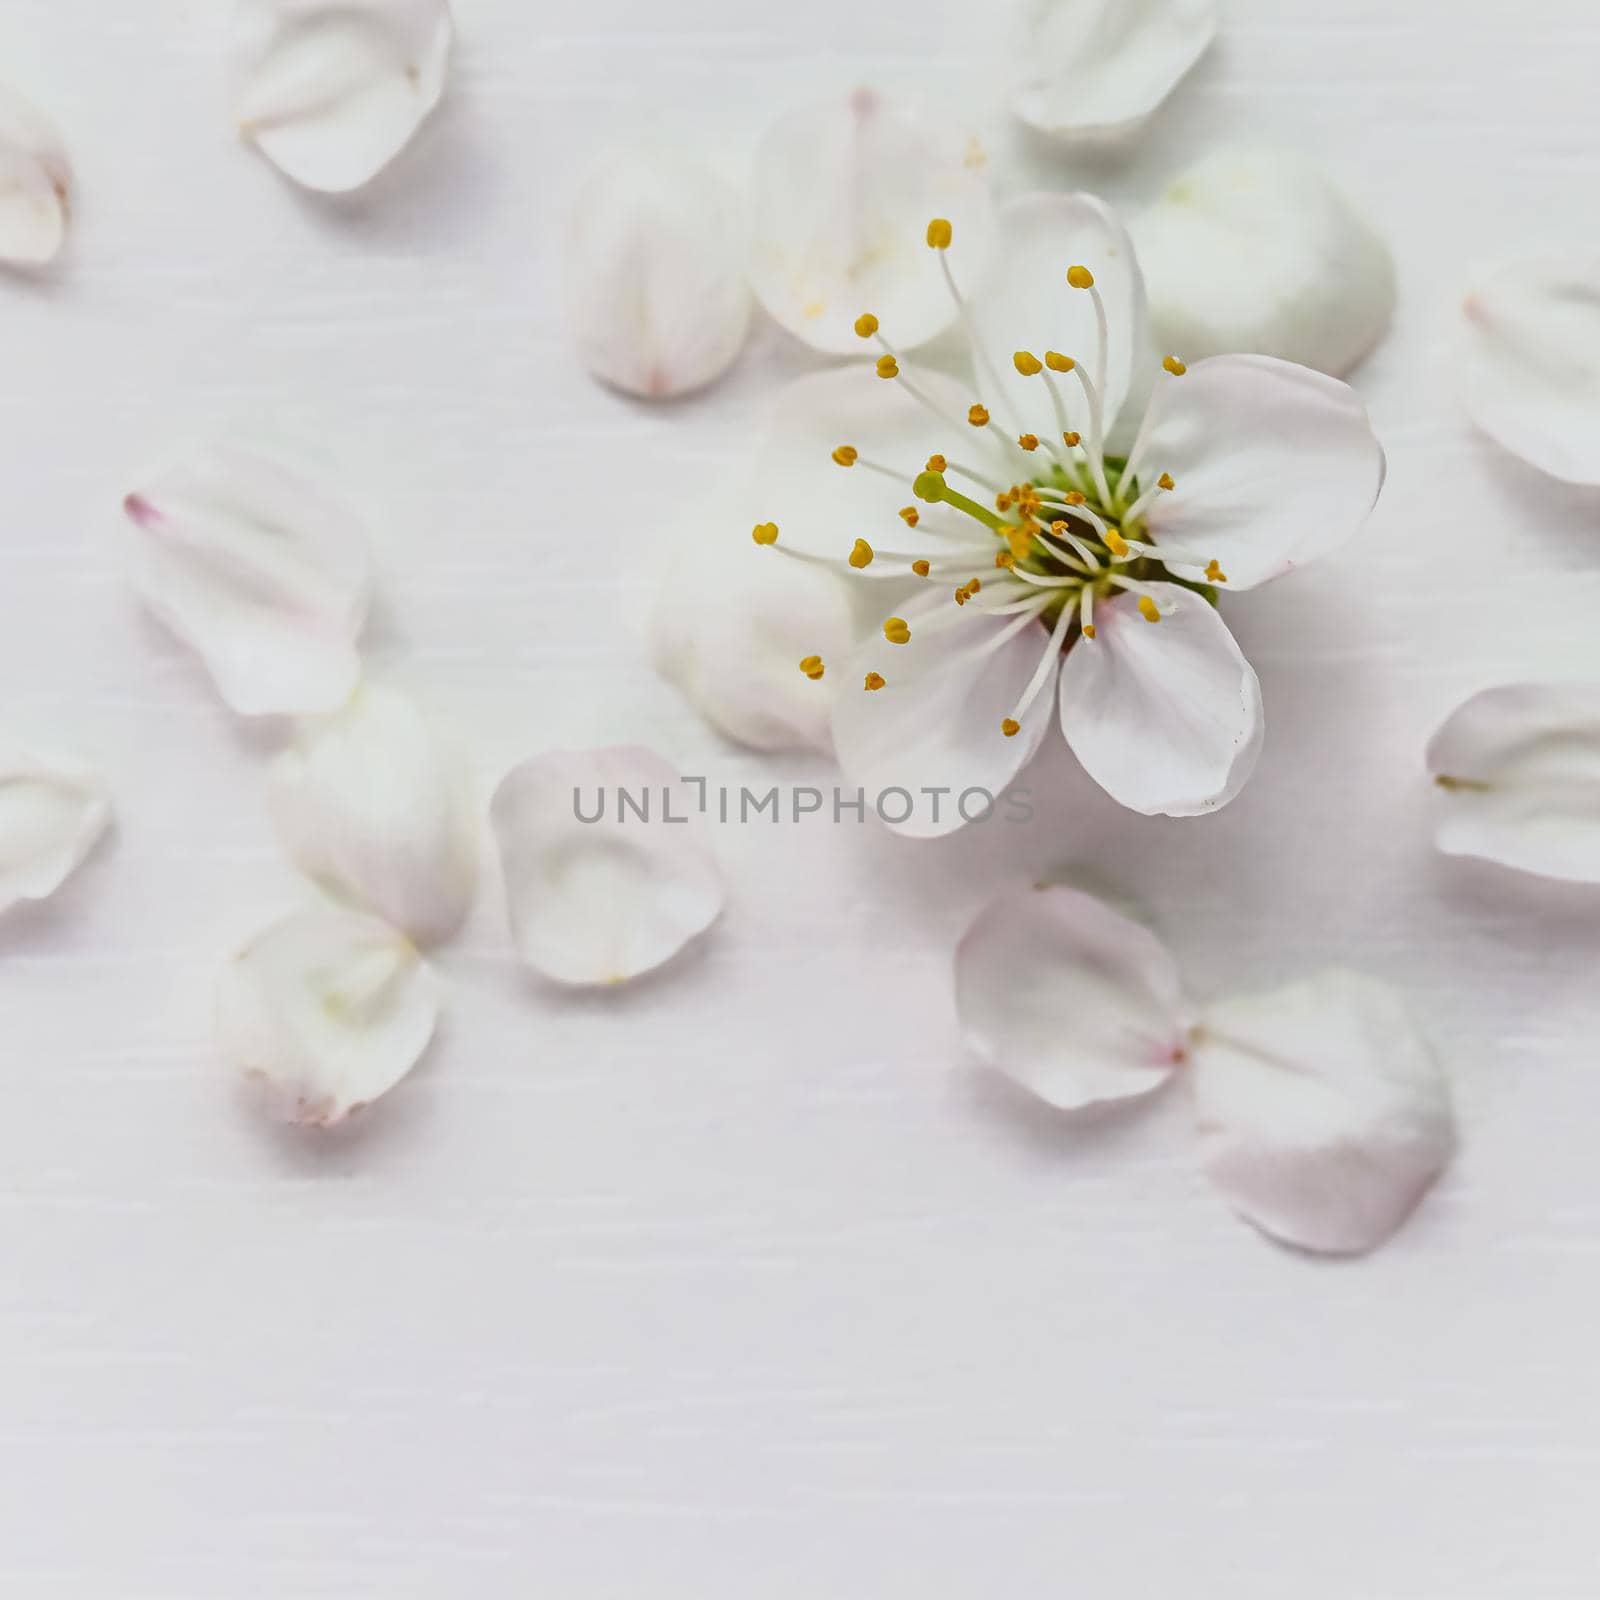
(861, 555)
(1116, 544)
(1174, 366)
(1072, 440)
(888, 367)
(910, 516)
(921, 568)
(1214, 572)
(874, 681)
(1088, 630)
(939, 234)
(1080, 277)
(1011, 727)
(812, 667)
(978, 416)
(897, 631)
(1074, 498)
(1004, 560)
(1148, 609)
(1165, 481)
(1058, 362)
(937, 464)
(1028, 441)
(846, 455)
(866, 325)
(765, 533)
(1027, 364)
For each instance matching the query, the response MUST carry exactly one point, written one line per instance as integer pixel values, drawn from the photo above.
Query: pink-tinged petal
(35, 184)
(53, 809)
(1274, 465)
(608, 870)
(1323, 1113)
(1069, 998)
(1165, 716)
(1518, 772)
(841, 196)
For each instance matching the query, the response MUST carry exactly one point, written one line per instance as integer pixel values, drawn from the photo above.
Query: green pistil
(931, 486)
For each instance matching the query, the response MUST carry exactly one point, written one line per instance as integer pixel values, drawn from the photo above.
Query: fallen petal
(35, 184)
(376, 805)
(1323, 1113)
(656, 293)
(52, 810)
(1069, 998)
(1261, 251)
(1530, 357)
(331, 91)
(605, 900)
(261, 573)
(1518, 771)
(327, 1010)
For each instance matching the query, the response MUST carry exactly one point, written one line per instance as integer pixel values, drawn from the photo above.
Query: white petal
(1323, 1113)
(375, 804)
(1025, 303)
(332, 91)
(1531, 361)
(35, 184)
(1095, 70)
(1165, 716)
(1274, 465)
(52, 810)
(328, 1010)
(1069, 998)
(260, 572)
(1259, 250)
(935, 725)
(1519, 770)
(842, 194)
(656, 292)
(603, 901)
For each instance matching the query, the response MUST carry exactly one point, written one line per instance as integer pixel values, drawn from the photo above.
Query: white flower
(1057, 572)
(655, 284)
(1260, 250)
(839, 192)
(35, 184)
(1518, 771)
(374, 803)
(52, 811)
(331, 91)
(1323, 1115)
(1096, 70)
(327, 1010)
(261, 572)
(608, 873)
(1530, 357)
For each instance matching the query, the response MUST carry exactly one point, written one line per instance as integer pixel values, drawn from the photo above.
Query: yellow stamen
(846, 455)
(939, 234)
(812, 667)
(1174, 366)
(866, 325)
(978, 417)
(937, 464)
(1011, 727)
(1058, 362)
(1088, 630)
(1004, 560)
(765, 533)
(1148, 609)
(910, 516)
(1214, 573)
(1165, 481)
(1028, 441)
(1072, 440)
(921, 568)
(1080, 277)
(861, 555)
(874, 681)
(1027, 364)
(897, 631)
(1116, 544)
(1073, 498)
(1021, 542)
(888, 367)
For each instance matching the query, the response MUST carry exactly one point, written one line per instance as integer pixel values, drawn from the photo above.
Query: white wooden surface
(740, 1283)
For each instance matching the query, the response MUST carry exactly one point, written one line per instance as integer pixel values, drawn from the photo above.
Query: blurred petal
(1519, 770)
(1165, 716)
(1025, 304)
(656, 292)
(1096, 70)
(52, 810)
(935, 724)
(376, 805)
(1071, 999)
(332, 91)
(842, 196)
(327, 1010)
(1531, 360)
(1323, 1114)
(1274, 465)
(35, 184)
(261, 573)
(603, 901)
(1259, 250)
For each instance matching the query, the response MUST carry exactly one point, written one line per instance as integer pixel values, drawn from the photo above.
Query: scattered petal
(1274, 465)
(331, 91)
(605, 900)
(1071, 999)
(258, 571)
(1323, 1114)
(328, 1010)
(35, 184)
(843, 193)
(656, 291)
(52, 810)
(1260, 250)
(1531, 360)
(376, 805)
(1519, 772)
(1096, 70)
(1165, 716)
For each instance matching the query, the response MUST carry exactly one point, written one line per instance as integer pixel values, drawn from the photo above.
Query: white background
(741, 1283)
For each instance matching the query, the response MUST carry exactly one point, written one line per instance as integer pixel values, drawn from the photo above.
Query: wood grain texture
(741, 1283)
